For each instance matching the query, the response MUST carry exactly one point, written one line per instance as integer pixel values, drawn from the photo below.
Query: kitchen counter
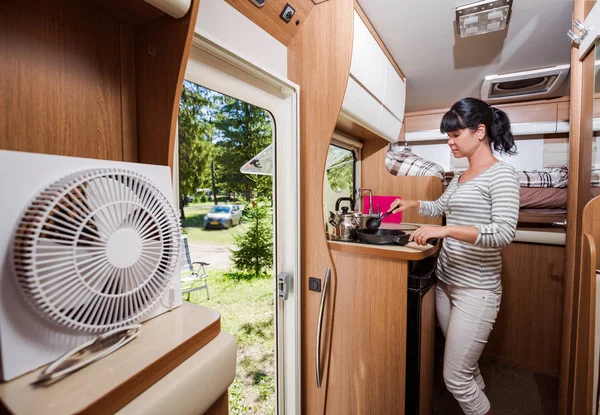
(409, 252)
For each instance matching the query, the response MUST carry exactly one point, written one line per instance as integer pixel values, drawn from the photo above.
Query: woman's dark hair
(470, 112)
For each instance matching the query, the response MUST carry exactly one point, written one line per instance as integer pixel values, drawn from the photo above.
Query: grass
(193, 226)
(246, 307)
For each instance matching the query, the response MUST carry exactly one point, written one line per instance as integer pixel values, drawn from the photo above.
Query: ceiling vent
(517, 86)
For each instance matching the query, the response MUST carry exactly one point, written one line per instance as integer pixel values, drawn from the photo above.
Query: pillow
(595, 177)
(552, 177)
(406, 163)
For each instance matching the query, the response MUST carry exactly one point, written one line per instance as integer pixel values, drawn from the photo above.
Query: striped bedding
(406, 163)
(551, 177)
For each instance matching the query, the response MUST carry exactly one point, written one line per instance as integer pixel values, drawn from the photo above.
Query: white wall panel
(242, 36)
(438, 153)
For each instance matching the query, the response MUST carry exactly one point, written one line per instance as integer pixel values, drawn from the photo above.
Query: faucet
(358, 197)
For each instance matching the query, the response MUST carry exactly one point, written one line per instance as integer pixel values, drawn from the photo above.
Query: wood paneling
(128, 95)
(580, 148)
(267, 17)
(375, 176)
(585, 316)
(585, 327)
(162, 50)
(368, 356)
(427, 369)
(60, 77)
(596, 110)
(530, 113)
(220, 407)
(591, 211)
(78, 81)
(528, 331)
(412, 251)
(347, 126)
(133, 12)
(563, 111)
(378, 39)
(109, 384)
(517, 113)
(319, 62)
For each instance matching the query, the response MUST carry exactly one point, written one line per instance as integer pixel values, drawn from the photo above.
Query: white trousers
(466, 316)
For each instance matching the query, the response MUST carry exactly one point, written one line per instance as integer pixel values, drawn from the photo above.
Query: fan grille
(96, 250)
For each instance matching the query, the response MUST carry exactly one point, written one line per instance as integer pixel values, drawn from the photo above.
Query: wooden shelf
(109, 384)
(97, 78)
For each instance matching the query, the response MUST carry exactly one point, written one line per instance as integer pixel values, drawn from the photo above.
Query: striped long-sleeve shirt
(489, 202)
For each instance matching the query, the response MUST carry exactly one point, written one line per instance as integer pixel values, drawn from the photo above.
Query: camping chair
(192, 279)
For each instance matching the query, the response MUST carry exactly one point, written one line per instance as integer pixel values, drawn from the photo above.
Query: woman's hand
(422, 234)
(400, 205)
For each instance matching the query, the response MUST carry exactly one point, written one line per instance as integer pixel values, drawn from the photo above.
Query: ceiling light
(482, 17)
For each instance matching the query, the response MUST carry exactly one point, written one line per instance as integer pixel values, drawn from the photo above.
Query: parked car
(223, 216)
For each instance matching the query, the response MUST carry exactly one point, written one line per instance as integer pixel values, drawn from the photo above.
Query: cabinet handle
(320, 323)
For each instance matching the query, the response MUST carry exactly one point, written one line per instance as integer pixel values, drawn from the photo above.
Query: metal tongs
(87, 353)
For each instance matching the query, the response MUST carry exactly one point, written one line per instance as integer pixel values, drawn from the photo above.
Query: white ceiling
(442, 68)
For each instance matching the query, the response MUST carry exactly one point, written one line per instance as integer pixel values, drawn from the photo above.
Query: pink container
(384, 203)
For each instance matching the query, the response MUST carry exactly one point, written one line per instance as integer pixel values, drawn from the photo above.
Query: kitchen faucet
(358, 197)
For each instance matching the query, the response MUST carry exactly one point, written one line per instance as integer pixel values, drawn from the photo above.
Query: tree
(254, 253)
(340, 169)
(195, 140)
(245, 130)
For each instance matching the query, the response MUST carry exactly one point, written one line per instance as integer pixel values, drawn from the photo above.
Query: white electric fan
(86, 246)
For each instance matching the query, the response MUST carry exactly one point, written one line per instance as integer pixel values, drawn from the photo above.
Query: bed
(544, 195)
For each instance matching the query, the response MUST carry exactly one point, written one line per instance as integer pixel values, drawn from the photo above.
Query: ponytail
(500, 136)
(470, 113)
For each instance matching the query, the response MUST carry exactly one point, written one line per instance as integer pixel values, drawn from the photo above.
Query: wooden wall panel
(162, 50)
(580, 148)
(319, 62)
(533, 111)
(585, 321)
(583, 379)
(128, 95)
(528, 331)
(267, 17)
(375, 176)
(60, 77)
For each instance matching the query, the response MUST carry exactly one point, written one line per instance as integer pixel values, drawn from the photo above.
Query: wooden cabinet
(527, 332)
(367, 329)
(368, 60)
(527, 118)
(367, 366)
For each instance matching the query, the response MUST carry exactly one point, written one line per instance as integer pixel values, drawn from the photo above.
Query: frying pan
(387, 236)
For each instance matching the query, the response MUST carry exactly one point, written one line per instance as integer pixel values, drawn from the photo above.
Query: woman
(481, 207)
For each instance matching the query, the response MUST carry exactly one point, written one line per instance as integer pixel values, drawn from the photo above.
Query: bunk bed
(544, 195)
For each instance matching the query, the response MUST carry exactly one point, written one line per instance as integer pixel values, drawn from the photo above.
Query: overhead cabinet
(376, 92)
(526, 119)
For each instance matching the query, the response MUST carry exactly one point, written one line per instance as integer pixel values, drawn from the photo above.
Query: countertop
(408, 252)
(110, 383)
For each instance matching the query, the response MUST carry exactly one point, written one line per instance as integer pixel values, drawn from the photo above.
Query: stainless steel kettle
(347, 226)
